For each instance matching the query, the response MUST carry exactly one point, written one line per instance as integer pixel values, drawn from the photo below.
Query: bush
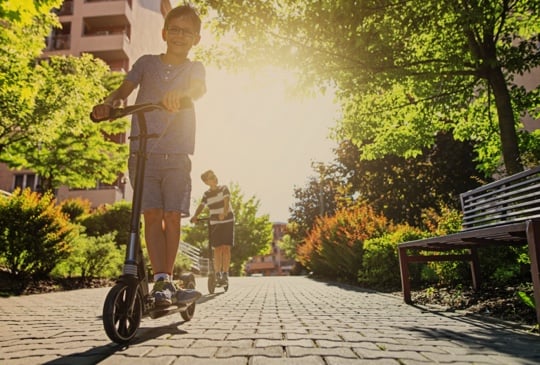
(93, 257)
(439, 223)
(34, 233)
(334, 246)
(75, 209)
(113, 218)
(380, 264)
(181, 264)
(505, 264)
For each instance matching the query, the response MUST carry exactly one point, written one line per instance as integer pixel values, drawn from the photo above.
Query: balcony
(58, 42)
(65, 9)
(111, 48)
(99, 8)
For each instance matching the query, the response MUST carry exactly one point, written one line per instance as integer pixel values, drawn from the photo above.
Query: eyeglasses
(180, 31)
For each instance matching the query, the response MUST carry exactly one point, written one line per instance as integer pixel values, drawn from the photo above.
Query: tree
(404, 71)
(319, 197)
(403, 188)
(252, 232)
(44, 106)
(23, 28)
(72, 150)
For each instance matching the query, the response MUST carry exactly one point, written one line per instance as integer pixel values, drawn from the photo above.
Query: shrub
(334, 246)
(439, 223)
(75, 208)
(93, 257)
(380, 264)
(34, 234)
(113, 218)
(181, 264)
(505, 264)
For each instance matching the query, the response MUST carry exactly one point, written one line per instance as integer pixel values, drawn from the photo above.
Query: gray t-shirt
(176, 131)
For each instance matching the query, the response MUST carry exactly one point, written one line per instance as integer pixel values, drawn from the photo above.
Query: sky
(252, 132)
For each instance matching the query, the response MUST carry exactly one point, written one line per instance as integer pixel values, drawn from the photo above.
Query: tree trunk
(507, 125)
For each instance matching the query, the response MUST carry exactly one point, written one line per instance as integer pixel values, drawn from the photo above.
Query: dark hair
(206, 174)
(184, 10)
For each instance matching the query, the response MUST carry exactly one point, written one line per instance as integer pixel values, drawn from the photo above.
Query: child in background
(217, 199)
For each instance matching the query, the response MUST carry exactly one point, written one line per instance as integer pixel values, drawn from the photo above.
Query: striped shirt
(215, 201)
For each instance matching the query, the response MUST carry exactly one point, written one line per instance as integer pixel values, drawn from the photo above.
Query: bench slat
(511, 199)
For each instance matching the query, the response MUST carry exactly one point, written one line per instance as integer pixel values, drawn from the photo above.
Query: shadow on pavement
(208, 297)
(148, 333)
(90, 357)
(100, 353)
(489, 336)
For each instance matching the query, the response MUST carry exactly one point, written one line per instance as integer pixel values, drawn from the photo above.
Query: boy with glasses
(172, 79)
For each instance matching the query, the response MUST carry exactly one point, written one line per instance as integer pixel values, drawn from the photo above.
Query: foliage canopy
(403, 70)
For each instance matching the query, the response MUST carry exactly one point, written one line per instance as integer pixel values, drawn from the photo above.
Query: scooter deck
(158, 312)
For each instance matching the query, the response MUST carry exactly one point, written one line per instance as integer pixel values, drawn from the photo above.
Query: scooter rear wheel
(119, 321)
(187, 315)
(211, 282)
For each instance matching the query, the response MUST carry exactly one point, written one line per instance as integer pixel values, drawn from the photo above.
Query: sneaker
(187, 296)
(163, 292)
(218, 277)
(225, 278)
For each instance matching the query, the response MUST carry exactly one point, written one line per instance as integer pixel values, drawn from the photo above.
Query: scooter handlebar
(115, 113)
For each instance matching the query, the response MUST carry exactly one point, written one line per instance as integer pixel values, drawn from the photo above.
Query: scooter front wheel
(120, 319)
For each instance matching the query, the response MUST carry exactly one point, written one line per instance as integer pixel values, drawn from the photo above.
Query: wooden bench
(504, 212)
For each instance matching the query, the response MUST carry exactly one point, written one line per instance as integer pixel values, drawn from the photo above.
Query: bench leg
(405, 279)
(475, 268)
(533, 239)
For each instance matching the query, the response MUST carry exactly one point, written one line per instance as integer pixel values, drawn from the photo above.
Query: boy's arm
(196, 214)
(172, 99)
(225, 208)
(114, 99)
(118, 95)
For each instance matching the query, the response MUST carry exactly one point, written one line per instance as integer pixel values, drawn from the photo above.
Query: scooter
(129, 300)
(213, 281)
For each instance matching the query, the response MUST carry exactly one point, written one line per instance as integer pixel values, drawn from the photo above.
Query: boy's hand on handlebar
(101, 111)
(172, 101)
(193, 219)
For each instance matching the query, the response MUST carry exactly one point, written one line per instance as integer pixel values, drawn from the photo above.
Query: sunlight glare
(253, 131)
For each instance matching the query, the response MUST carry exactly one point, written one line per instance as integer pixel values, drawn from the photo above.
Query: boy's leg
(172, 223)
(226, 257)
(218, 258)
(226, 252)
(155, 240)
(156, 244)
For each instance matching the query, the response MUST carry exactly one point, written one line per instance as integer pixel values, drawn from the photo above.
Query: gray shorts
(167, 182)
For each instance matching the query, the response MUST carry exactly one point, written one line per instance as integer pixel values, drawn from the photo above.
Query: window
(24, 181)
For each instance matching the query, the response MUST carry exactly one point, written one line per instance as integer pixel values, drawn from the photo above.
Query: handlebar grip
(97, 120)
(108, 117)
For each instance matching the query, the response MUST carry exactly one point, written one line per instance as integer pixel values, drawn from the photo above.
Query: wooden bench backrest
(511, 199)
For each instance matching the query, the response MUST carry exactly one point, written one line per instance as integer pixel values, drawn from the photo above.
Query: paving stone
(262, 321)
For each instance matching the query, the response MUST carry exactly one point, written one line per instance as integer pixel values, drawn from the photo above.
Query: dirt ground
(497, 302)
